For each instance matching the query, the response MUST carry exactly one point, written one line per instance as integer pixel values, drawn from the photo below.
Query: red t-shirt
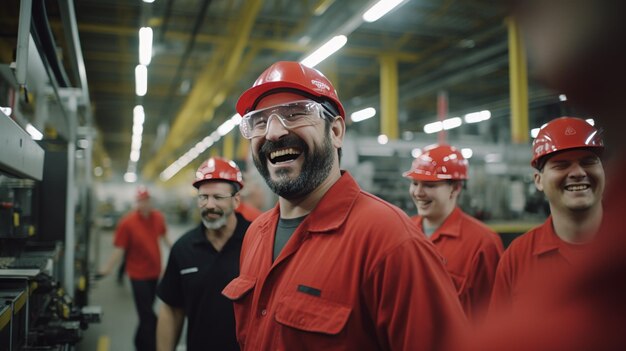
(471, 251)
(355, 275)
(139, 237)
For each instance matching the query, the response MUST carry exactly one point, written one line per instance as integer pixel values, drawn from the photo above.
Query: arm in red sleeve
(412, 299)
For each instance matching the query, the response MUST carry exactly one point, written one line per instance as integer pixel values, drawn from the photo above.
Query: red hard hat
(142, 193)
(217, 168)
(565, 133)
(438, 162)
(290, 75)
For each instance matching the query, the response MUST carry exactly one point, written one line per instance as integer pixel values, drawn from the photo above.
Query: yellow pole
(229, 146)
(518, 83)
(389, 96)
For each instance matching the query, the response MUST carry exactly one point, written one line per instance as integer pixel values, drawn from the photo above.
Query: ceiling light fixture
(200, 147)
(363, 114)
(467, 153)
(534, 132)
(451, 123)
(324, 51)
(145, 45)
(141, 80)
(380, 9)
(475, 117)
(433, 127)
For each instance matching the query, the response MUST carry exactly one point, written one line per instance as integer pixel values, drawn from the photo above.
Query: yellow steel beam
(243, 148)
(214, 82)
(229, 145)
(271, 44)
(389, 96)
(518, 83)
(322, 6)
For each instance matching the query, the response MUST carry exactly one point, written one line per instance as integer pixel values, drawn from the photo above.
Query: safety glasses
(291, 115)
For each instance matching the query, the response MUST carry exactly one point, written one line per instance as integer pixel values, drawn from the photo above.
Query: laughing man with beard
(330, 267)
(202, 262)
(568, 170)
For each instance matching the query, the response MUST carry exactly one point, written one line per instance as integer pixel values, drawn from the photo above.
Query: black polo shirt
(194, 279)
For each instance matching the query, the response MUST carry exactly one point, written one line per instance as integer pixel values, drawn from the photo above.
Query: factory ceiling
(207, 52)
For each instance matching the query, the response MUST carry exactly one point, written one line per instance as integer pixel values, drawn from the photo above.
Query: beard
(214, 223)
(315, 168)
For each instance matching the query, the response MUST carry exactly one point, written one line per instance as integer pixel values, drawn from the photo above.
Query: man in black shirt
(202, 262)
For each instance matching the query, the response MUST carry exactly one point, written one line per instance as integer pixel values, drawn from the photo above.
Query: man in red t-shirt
(137, 238)
(471, 249)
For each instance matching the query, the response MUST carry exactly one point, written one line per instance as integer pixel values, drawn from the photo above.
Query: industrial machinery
(44, 188)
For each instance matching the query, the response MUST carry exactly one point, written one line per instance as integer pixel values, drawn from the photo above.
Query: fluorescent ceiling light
(130, 177)
(534, 132)
(138, 115)
(145, 45)
(134, 155)
(475, 117)
(363, 114)
(34, 133)
(383, 139)
(141, 80)
(148, 1)
(451, 123)
(380, 9)
(227, 126)
(325, 50)
(563, 97)
(433, 127)
(6, 110)
(467, 153)
(591, 121)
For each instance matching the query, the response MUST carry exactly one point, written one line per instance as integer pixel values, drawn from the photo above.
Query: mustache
(287, 141)
(212, 211)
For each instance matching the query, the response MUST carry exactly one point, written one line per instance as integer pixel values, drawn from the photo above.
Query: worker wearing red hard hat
(202, 262)
(567, 158)
(471, 249)
(576, 48)
(330, 267)
(137, 240)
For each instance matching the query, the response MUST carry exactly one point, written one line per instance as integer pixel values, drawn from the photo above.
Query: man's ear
(337, 131)
(537, 177)
(457, 186)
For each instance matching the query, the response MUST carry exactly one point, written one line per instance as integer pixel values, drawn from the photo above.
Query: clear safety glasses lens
(292, 115)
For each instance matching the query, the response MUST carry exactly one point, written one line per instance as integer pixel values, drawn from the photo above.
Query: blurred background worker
(202, 262)
(137, 238)
(576, 47)
(471, 249)
(330, 267)
(569, 171)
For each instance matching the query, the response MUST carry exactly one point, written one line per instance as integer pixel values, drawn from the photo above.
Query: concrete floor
(119, 319)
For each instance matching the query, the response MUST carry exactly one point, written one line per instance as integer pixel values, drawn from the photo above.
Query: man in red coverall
(577, 49)
(566, 156)
(470, 248)
(330, 267)
(137, 238)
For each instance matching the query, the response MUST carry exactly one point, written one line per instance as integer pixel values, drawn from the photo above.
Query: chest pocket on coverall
(312, 314)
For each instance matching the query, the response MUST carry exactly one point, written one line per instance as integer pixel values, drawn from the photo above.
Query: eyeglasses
(220, 198)
(291, 115)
